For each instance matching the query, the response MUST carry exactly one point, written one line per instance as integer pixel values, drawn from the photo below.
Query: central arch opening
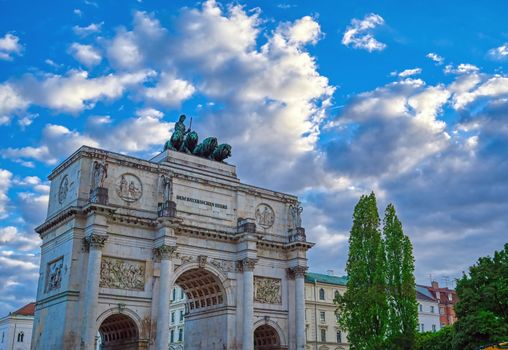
(205, 311)
(266, 338)
(119, 332)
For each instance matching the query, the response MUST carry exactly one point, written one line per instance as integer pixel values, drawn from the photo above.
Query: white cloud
(11, 101)
(493, 88)
(9, 45)
(407, 72)
(76, 91)
(5, 184)
(85, 54)
(463, 68)
(435, 57)
(89, 29)
(499, 53)
(303, 31)
(12, 238)
(78, 12)
(170, 91)
(359, 33)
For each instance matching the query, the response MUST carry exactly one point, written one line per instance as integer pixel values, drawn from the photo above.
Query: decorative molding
(95, 241)
(265, 216)
(267, 290)
(164, 252)
(54, 274)
(224, 265)
(129, 187)
(122, 274)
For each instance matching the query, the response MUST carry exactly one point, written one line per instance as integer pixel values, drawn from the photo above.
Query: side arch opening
(119, 332)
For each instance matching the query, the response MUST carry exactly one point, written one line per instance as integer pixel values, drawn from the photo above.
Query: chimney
(435, 285)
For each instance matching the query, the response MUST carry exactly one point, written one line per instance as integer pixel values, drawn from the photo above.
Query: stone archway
(266, 338)
(206, 311)
(119, 332)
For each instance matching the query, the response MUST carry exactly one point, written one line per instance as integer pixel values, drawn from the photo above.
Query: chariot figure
(177, 138)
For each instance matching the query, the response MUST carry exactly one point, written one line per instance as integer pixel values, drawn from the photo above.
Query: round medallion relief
(63, 189)
(265, 217)
(129, 188)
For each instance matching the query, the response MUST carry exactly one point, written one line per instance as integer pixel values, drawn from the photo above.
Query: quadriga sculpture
(185, 140)
(206, 148)
(222, 152)
(190, 143)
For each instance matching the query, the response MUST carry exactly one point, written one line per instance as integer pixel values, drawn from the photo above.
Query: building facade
(428, 310)
(16, 329)
(177, 312)
(447, 298)
(322, 331)
(121, 231)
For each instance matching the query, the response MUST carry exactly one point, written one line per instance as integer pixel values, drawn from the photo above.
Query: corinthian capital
(95, 241)
(247, 264)
(297, 272)
(165, 252)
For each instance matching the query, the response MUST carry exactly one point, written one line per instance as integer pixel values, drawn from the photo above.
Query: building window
(421, 307)
(339, 337)
(432, 309)
(322, 316)
(3, 336)
(433, 328)
(172, 336)
(173, 317)
(450, 296)
(422, 326)
(441, 310)
(21, 335)
(180, 334)
(321, 294)
(336, 294)
(181, 315)
(181, 293)
(323, 335)
(174, 294)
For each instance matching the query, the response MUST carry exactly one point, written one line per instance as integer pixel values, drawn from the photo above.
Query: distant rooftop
(27, 310)
(312, 277)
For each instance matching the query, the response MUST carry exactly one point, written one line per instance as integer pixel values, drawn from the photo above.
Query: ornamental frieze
(267, 290)
(122, 274)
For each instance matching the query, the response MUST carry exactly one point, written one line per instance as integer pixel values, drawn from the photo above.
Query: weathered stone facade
(121, 231)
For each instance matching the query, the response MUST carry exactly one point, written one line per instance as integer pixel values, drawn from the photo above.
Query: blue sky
(325, 99)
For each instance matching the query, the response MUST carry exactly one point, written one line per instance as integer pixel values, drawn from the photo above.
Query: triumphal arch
(121, 231)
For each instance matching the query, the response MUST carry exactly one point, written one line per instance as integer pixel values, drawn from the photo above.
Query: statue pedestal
(297, 235)
(166, 209)
(99, 195)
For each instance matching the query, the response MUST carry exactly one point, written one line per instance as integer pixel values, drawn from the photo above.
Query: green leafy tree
(482, 309)
(363, 307)
(440, 340)
(401, 290)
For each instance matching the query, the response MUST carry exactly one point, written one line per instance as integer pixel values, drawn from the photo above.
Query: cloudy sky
(325, 99)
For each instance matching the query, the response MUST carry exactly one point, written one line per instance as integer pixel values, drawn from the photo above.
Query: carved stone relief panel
(63, 189)
(54, 274)
(122, 274)
(129, 187)
(265, 216)
(267, 290)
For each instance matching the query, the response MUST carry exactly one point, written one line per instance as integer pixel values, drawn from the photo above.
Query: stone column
(95, 242)
(248, 303)
(164, 253)
(299, 273)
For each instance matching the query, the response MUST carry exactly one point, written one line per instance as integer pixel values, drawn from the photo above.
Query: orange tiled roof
(27, 310)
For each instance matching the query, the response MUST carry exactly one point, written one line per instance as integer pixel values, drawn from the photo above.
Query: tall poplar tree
(401, 290)
(363, 307)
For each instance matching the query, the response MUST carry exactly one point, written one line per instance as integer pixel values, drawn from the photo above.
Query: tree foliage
(363, 306)
(440, 340)
(401, 289)
(482, 310)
